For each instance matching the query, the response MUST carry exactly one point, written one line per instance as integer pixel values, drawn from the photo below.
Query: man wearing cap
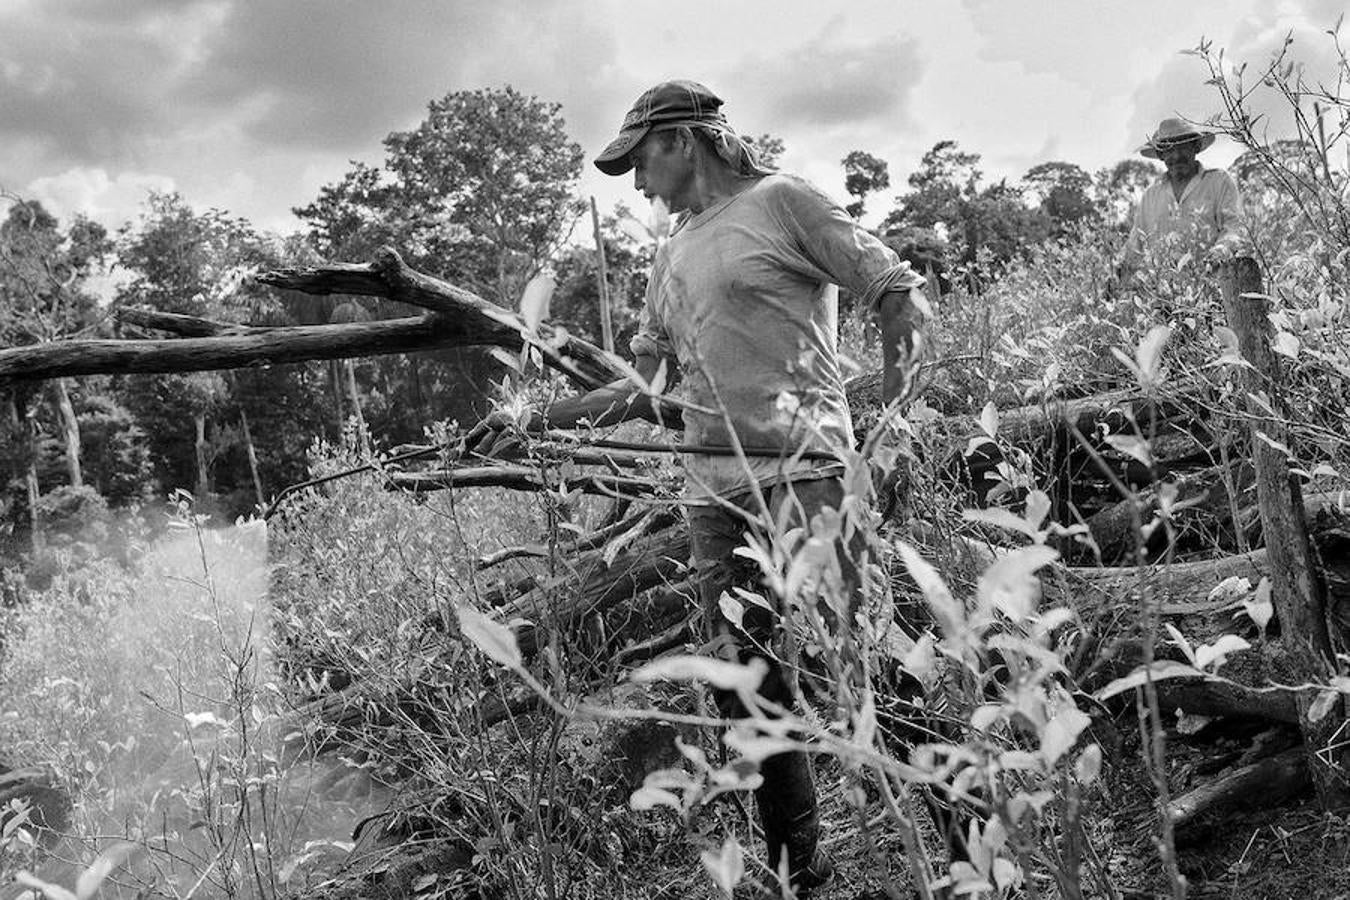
(740, 306)
(1191, 208)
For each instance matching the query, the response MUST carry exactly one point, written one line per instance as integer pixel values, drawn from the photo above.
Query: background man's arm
(1228, 219)
(1133, 250)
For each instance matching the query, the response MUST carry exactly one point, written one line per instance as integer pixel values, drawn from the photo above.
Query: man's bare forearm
(901, 317)
(618, 401)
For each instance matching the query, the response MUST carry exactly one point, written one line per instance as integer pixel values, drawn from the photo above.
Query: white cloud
(91, 191)
(252, 106)
(1180, 88)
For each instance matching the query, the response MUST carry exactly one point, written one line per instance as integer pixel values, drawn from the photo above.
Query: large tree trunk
(1298, 590)
(24, 428)
(203, 489)
(71, 431)
(252, 458)
(354, 396)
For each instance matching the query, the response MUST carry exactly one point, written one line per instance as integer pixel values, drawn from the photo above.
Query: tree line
(483, 193)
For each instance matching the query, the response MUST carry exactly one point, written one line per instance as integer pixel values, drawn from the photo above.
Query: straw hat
(1174, 131)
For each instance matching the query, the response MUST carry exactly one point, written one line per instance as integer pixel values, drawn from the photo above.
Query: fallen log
(1222, 698)
(1259, 785)
(1179, 440)
(523, 478)
(457, 318)
(246, 347)
(1203, 507)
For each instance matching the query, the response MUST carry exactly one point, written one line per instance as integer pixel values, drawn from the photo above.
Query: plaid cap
(668, 104)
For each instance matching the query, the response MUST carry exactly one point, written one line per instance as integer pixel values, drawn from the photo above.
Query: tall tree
(481, 193)
(770, 149)
(985, 225)
(44, 271)
(863, 174)
(1064, 192)
(199, 263)
(1119, 186)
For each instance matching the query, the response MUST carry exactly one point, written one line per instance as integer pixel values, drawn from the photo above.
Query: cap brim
(613, 160)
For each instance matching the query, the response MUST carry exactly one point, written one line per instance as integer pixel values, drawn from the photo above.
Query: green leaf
(1148, 355)
(1131, 446)
(1038, 507)
(1274, 444)
(1216, 654)
(1323, 704)
(103, 865)
(1011, 585)
(757, 747)
(732, 610)
(1089, 764)
(495, 640)
(1286, 345)
(921, 660)
(645, 798)
(1161, 670)
(1228, 342)
(728, 676)
(726, 867)
(989, 419)
(949, 614)
(1000, 518)
(49, 891)
(1259, 607)
(1061, 732)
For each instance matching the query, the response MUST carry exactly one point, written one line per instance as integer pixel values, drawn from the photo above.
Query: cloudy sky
(252, 105)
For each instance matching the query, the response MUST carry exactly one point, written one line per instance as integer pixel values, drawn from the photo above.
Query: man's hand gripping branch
(901, 316)
(502, 434)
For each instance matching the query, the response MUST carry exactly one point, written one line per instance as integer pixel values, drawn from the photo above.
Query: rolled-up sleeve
(838, 248)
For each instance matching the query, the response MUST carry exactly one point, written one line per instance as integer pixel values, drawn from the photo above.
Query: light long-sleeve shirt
(1207, 214)
(743, 297)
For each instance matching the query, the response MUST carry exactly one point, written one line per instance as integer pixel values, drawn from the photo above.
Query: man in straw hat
(741, 303)
(1191, 208)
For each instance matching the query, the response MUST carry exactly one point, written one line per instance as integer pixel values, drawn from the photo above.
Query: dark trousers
(787, 798)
